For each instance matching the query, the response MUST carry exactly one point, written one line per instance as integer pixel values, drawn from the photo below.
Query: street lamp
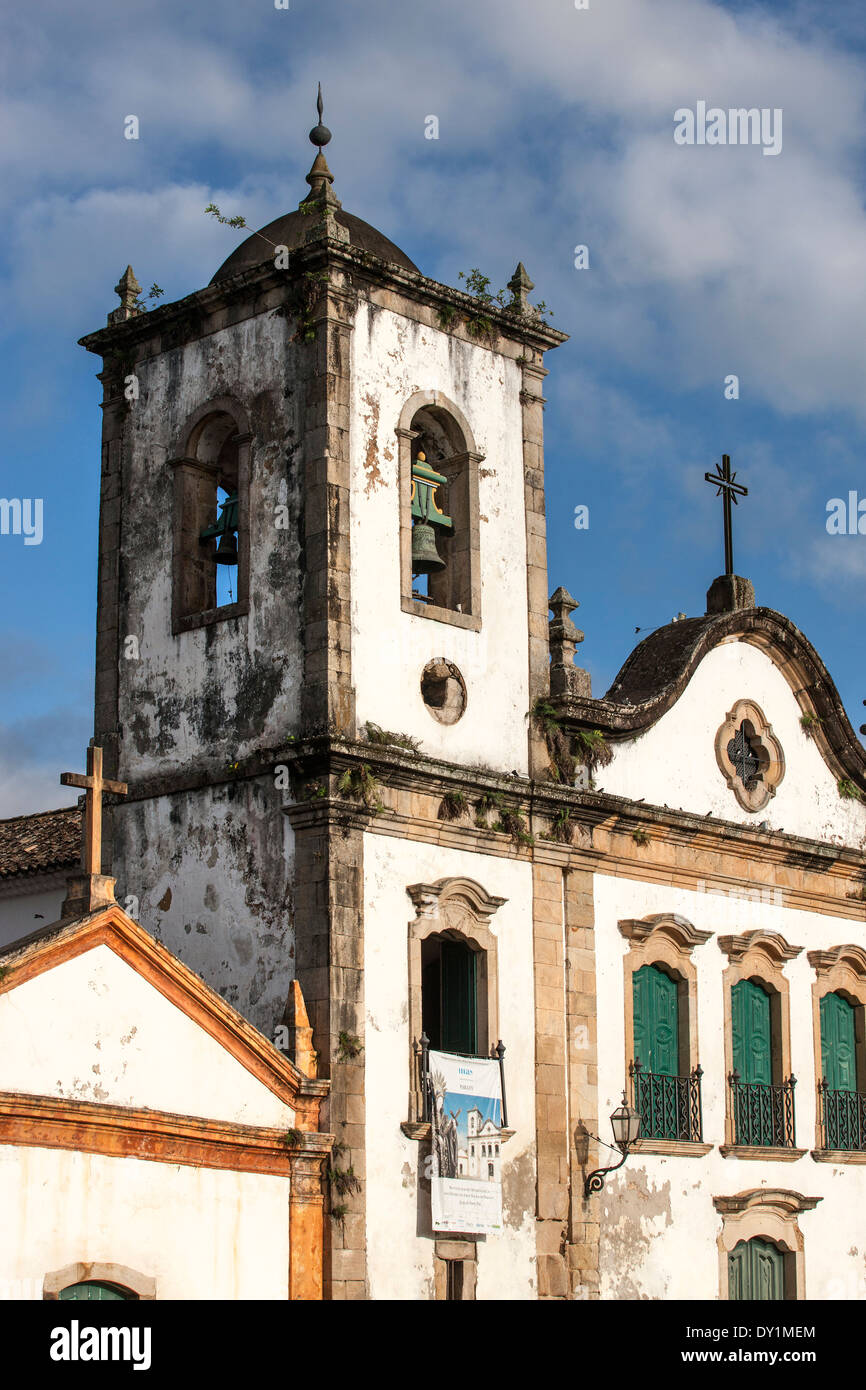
(625, 1123)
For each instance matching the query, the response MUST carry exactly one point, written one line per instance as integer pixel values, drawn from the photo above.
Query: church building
(358, 803)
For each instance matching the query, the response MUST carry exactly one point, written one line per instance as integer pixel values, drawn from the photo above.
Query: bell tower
(322, 577)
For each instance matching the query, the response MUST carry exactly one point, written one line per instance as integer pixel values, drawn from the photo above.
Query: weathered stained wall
(674, 762)
(393, 358)
(218, 692)
(198, 1232)
(399, 1259)
(658, 1224)
(212, 872)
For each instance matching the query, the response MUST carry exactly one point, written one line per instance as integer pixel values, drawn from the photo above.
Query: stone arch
(213, 460)
(461, 909)
(769, 1214)
(139, 1286)
(430, 421)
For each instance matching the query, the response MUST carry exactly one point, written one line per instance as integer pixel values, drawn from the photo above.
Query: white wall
(392, 358)
(659, 1226)
(674, 763)
(400, 1262)
(18, 914)
(93, 1029)
(199, 1232)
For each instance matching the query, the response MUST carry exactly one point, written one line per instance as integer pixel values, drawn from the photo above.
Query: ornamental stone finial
(564, 637)
(128, 289)
(520, 286)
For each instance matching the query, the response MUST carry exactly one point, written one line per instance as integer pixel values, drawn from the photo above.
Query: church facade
(367, 783)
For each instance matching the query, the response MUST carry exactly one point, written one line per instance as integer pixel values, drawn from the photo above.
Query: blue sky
(555, 129)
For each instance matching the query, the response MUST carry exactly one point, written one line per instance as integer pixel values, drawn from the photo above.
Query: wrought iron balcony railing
(669, 1106)
(763, 1113)
(842, 1116)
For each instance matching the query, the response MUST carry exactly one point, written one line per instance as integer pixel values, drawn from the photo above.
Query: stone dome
(290, 230)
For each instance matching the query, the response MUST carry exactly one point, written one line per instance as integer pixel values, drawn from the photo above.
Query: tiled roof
(40, 843)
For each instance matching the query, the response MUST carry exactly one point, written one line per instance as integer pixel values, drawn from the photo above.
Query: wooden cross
(728, 490)
(95, 784)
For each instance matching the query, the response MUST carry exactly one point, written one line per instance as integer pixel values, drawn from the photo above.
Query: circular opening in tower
(443, 691)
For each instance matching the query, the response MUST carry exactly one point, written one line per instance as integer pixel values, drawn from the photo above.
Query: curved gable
(685, 691)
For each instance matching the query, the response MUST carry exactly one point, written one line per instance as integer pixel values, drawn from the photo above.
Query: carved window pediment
(749, 755)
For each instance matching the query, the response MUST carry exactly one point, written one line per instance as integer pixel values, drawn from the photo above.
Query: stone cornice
(781, 1199)
(264, 288)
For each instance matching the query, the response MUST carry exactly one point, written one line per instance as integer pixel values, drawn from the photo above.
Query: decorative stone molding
(461, 909)
(140, 1286)
(841, 970)
(780, 1200)
(754, 795)
(759, 956)
(771, 943)
(564, 638)
(768, 1153)
(765, 1213)
(679, 929)
(666, 940)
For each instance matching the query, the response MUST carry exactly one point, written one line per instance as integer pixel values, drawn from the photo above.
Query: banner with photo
(466, 1114)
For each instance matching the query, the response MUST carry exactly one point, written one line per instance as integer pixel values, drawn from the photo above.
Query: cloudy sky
(555, 129)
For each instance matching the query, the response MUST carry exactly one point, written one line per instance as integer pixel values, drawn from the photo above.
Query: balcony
(842, 1119)
(763, 1113)
(669, 1106)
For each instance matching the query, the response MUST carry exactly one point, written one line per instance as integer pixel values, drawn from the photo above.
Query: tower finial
(320, 134)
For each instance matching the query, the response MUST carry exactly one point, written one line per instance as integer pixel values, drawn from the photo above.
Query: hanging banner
(466, 1113)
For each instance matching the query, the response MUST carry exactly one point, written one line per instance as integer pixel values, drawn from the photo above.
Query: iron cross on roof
(729, 491)
(95, 784)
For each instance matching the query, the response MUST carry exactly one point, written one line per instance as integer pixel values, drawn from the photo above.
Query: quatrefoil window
(749, 755)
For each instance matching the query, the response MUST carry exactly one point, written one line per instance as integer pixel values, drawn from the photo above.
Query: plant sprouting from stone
(848, 791)
(387, 737)
(359, 783)
(453, 805)
(349, 1046)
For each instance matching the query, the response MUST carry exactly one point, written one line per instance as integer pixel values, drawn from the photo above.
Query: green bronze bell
(425, 556)
(227, 549)
(225, 529)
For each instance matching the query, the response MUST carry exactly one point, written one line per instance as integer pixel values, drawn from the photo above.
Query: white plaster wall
(199, 1232)
(400, 1262)
(21, 915)
(392, 358)
(670, 1251)
(674, 763)
(93, 1029)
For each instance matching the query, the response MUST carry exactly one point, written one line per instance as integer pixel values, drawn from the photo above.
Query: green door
(756, 1269)
(656, 1021)
(752, 1037)
(91, 1290)
(838, 1056)
(459, 1026)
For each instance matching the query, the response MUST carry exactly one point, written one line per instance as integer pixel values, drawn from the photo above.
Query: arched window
(93, 1290)
(843, 1103)
(449, 994)
(211, 552)
(756, 1270)
(661, 1030)
(760, 1113)
(439, 512)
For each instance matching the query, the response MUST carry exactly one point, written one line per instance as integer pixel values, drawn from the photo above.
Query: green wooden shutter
(656, 1021)
(459, 1013)
(756, 1270)
(838, 1056)
(752, 1038)
(91, 1291)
